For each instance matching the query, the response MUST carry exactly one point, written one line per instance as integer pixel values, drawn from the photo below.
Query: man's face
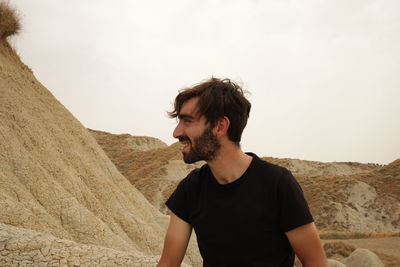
(198, 138)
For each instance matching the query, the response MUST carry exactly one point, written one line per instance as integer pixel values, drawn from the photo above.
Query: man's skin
(228, 165)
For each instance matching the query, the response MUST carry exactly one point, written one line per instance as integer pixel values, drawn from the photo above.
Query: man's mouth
(185, 145)
(185, 141)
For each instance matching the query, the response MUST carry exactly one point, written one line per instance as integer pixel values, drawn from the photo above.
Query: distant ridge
(125, 143)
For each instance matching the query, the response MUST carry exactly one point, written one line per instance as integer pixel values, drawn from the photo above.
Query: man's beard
(204, 147)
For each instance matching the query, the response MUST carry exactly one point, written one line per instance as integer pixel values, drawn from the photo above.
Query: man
(245, 211)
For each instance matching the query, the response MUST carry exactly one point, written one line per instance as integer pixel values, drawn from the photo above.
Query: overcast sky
(324, 76)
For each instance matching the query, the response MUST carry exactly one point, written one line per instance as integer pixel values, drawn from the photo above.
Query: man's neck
(229, 164)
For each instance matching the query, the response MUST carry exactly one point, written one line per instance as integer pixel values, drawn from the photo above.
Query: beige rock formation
(335, 263)
(350, 196)
(354, 205)
(364, 211)
(155, 171)
(61, 198)
(362, 258)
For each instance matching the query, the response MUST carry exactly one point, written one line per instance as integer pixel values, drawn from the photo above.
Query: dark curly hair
(218, 98)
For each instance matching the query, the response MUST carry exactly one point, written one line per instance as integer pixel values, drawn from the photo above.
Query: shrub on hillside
(355, 235)
(9, 22)
(338, 248)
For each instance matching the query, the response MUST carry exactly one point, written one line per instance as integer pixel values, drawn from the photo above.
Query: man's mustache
(183, 139)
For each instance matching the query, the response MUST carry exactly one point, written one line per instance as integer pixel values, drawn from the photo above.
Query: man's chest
(243, 213)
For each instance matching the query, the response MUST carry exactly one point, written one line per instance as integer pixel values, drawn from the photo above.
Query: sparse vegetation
(356, 235)
(9, 21)
(338, 248)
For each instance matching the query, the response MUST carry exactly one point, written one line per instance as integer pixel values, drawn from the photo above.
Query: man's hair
(218, 98)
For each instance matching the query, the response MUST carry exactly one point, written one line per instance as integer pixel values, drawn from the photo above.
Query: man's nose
(178, 131)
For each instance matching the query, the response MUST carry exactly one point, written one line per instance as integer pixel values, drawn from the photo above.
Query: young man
(244, 211)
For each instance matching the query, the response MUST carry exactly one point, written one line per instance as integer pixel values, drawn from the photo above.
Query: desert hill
(316, 168)
(389, 179)
(154, 170)
(349, 196)
(62, 201)
(122, 144)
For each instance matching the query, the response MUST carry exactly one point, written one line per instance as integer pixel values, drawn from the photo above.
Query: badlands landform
(70, 196)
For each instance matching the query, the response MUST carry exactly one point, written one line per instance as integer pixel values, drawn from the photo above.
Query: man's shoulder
(262, 165)
(195, 175)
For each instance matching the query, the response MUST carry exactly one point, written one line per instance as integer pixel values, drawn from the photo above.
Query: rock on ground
(362, 258)
(335, 263)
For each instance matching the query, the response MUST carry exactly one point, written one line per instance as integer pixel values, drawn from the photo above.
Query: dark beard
(205, 147)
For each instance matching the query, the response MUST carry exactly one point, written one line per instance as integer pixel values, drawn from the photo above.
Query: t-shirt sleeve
(293, 207)
(178, 202)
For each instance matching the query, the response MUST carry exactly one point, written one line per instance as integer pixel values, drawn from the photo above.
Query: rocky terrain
(350, 196)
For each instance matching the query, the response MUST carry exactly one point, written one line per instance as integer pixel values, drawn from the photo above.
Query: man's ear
(222, 126)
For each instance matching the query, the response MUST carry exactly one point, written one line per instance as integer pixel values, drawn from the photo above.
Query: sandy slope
(56, 181)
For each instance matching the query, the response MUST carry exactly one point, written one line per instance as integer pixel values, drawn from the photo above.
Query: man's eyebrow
(185, 116)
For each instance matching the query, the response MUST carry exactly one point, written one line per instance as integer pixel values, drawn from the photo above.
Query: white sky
(324, 76)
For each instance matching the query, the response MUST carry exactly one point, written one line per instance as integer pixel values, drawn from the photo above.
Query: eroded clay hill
(62, 201)
(349, 196)
(154, 169)
(343, 196)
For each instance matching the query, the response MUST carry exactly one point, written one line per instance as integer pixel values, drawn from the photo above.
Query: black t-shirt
(242, 223)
